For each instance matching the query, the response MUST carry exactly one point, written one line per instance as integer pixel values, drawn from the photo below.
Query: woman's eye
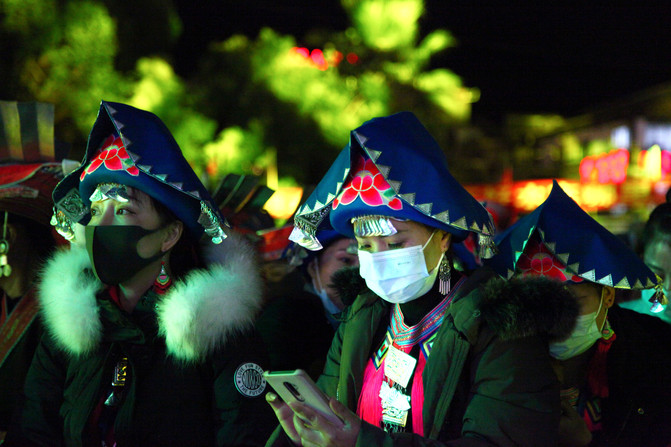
(395, 245)
(122, 211)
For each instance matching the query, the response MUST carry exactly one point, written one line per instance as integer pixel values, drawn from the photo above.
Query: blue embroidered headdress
(133, 147)
(560, 240)
(391, 168)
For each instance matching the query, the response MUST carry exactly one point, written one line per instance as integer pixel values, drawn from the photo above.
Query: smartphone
(297, 386)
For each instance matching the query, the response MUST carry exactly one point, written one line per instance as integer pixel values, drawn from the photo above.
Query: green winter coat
(488, 380)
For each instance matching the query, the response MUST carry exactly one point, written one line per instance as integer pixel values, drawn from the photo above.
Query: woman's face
(138, 210)
(333, 258)
(590, 299)
(657, 256)
(409, 234)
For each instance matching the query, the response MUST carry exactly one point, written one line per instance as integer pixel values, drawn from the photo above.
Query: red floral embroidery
(537, 260)
(114, 156)
(369, 184)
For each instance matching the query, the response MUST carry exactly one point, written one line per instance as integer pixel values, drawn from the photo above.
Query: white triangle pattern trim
(460, 223)
(425, 208)
(384, 170)
(126, 142)
(606, 280)
(589, 275)
(374, 155)
(360, 138)
(563, 257)
(394, 184)
(443, 217)
(623, 284)
(410, 198)
(133, 156)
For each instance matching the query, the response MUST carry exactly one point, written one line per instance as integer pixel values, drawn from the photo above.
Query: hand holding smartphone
(297, 386)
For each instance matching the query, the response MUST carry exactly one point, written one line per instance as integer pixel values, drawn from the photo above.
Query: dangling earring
(5, 268)
(444, 276)
(163, 280)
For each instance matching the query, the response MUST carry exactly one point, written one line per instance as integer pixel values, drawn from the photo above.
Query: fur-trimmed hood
(198, 314)
(514, 309)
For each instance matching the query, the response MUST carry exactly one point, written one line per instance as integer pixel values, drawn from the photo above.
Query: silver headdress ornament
(62, 224)
(305, 229)
(211, 223)
(486, 246)
(373, 225)
(658, 299)
(113, 191)
(305, 239)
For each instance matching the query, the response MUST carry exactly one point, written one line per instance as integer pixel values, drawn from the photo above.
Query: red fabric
(369, 407)
(114, 295)
(16, 323)
(598, 377)
(417, 397)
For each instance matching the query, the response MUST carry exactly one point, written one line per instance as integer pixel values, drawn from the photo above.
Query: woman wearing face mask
(612, 365)
(150, 338)
(306, 314)
(656, 245)
(420, 356)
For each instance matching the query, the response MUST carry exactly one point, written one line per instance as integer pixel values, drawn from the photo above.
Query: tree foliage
(254, 105)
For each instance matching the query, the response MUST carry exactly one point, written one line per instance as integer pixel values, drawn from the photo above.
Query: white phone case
(297, 386)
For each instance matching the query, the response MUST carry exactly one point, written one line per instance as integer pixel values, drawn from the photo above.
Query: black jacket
(638, 409)
(191, 379)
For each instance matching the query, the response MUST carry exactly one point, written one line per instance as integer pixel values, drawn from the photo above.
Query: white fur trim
(200, 313)
(196, 316)
(68, 301)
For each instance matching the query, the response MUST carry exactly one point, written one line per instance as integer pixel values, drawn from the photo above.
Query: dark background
(526, 57)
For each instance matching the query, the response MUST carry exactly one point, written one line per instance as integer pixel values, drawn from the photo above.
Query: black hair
(39, 237)
(658, 224)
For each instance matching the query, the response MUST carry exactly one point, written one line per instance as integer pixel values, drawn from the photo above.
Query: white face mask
(584, 335)
(398, 276)
(329, 306)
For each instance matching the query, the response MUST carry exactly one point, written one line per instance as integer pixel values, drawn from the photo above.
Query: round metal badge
(249, 380)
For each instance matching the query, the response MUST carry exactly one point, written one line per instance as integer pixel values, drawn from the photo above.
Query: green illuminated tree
(264, 105)
(302, 102)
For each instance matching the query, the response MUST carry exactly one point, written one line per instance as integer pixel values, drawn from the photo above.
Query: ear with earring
(444, 276)
(5, 268)
(163, 280)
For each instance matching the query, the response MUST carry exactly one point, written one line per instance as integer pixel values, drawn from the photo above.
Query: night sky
(538, 58)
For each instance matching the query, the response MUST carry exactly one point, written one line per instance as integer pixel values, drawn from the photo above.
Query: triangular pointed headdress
(392, 167)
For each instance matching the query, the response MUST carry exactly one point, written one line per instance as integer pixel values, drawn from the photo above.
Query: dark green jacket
(190, 351)
(488, 380)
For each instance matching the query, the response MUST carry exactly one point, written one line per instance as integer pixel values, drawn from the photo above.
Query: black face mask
(113, 252)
